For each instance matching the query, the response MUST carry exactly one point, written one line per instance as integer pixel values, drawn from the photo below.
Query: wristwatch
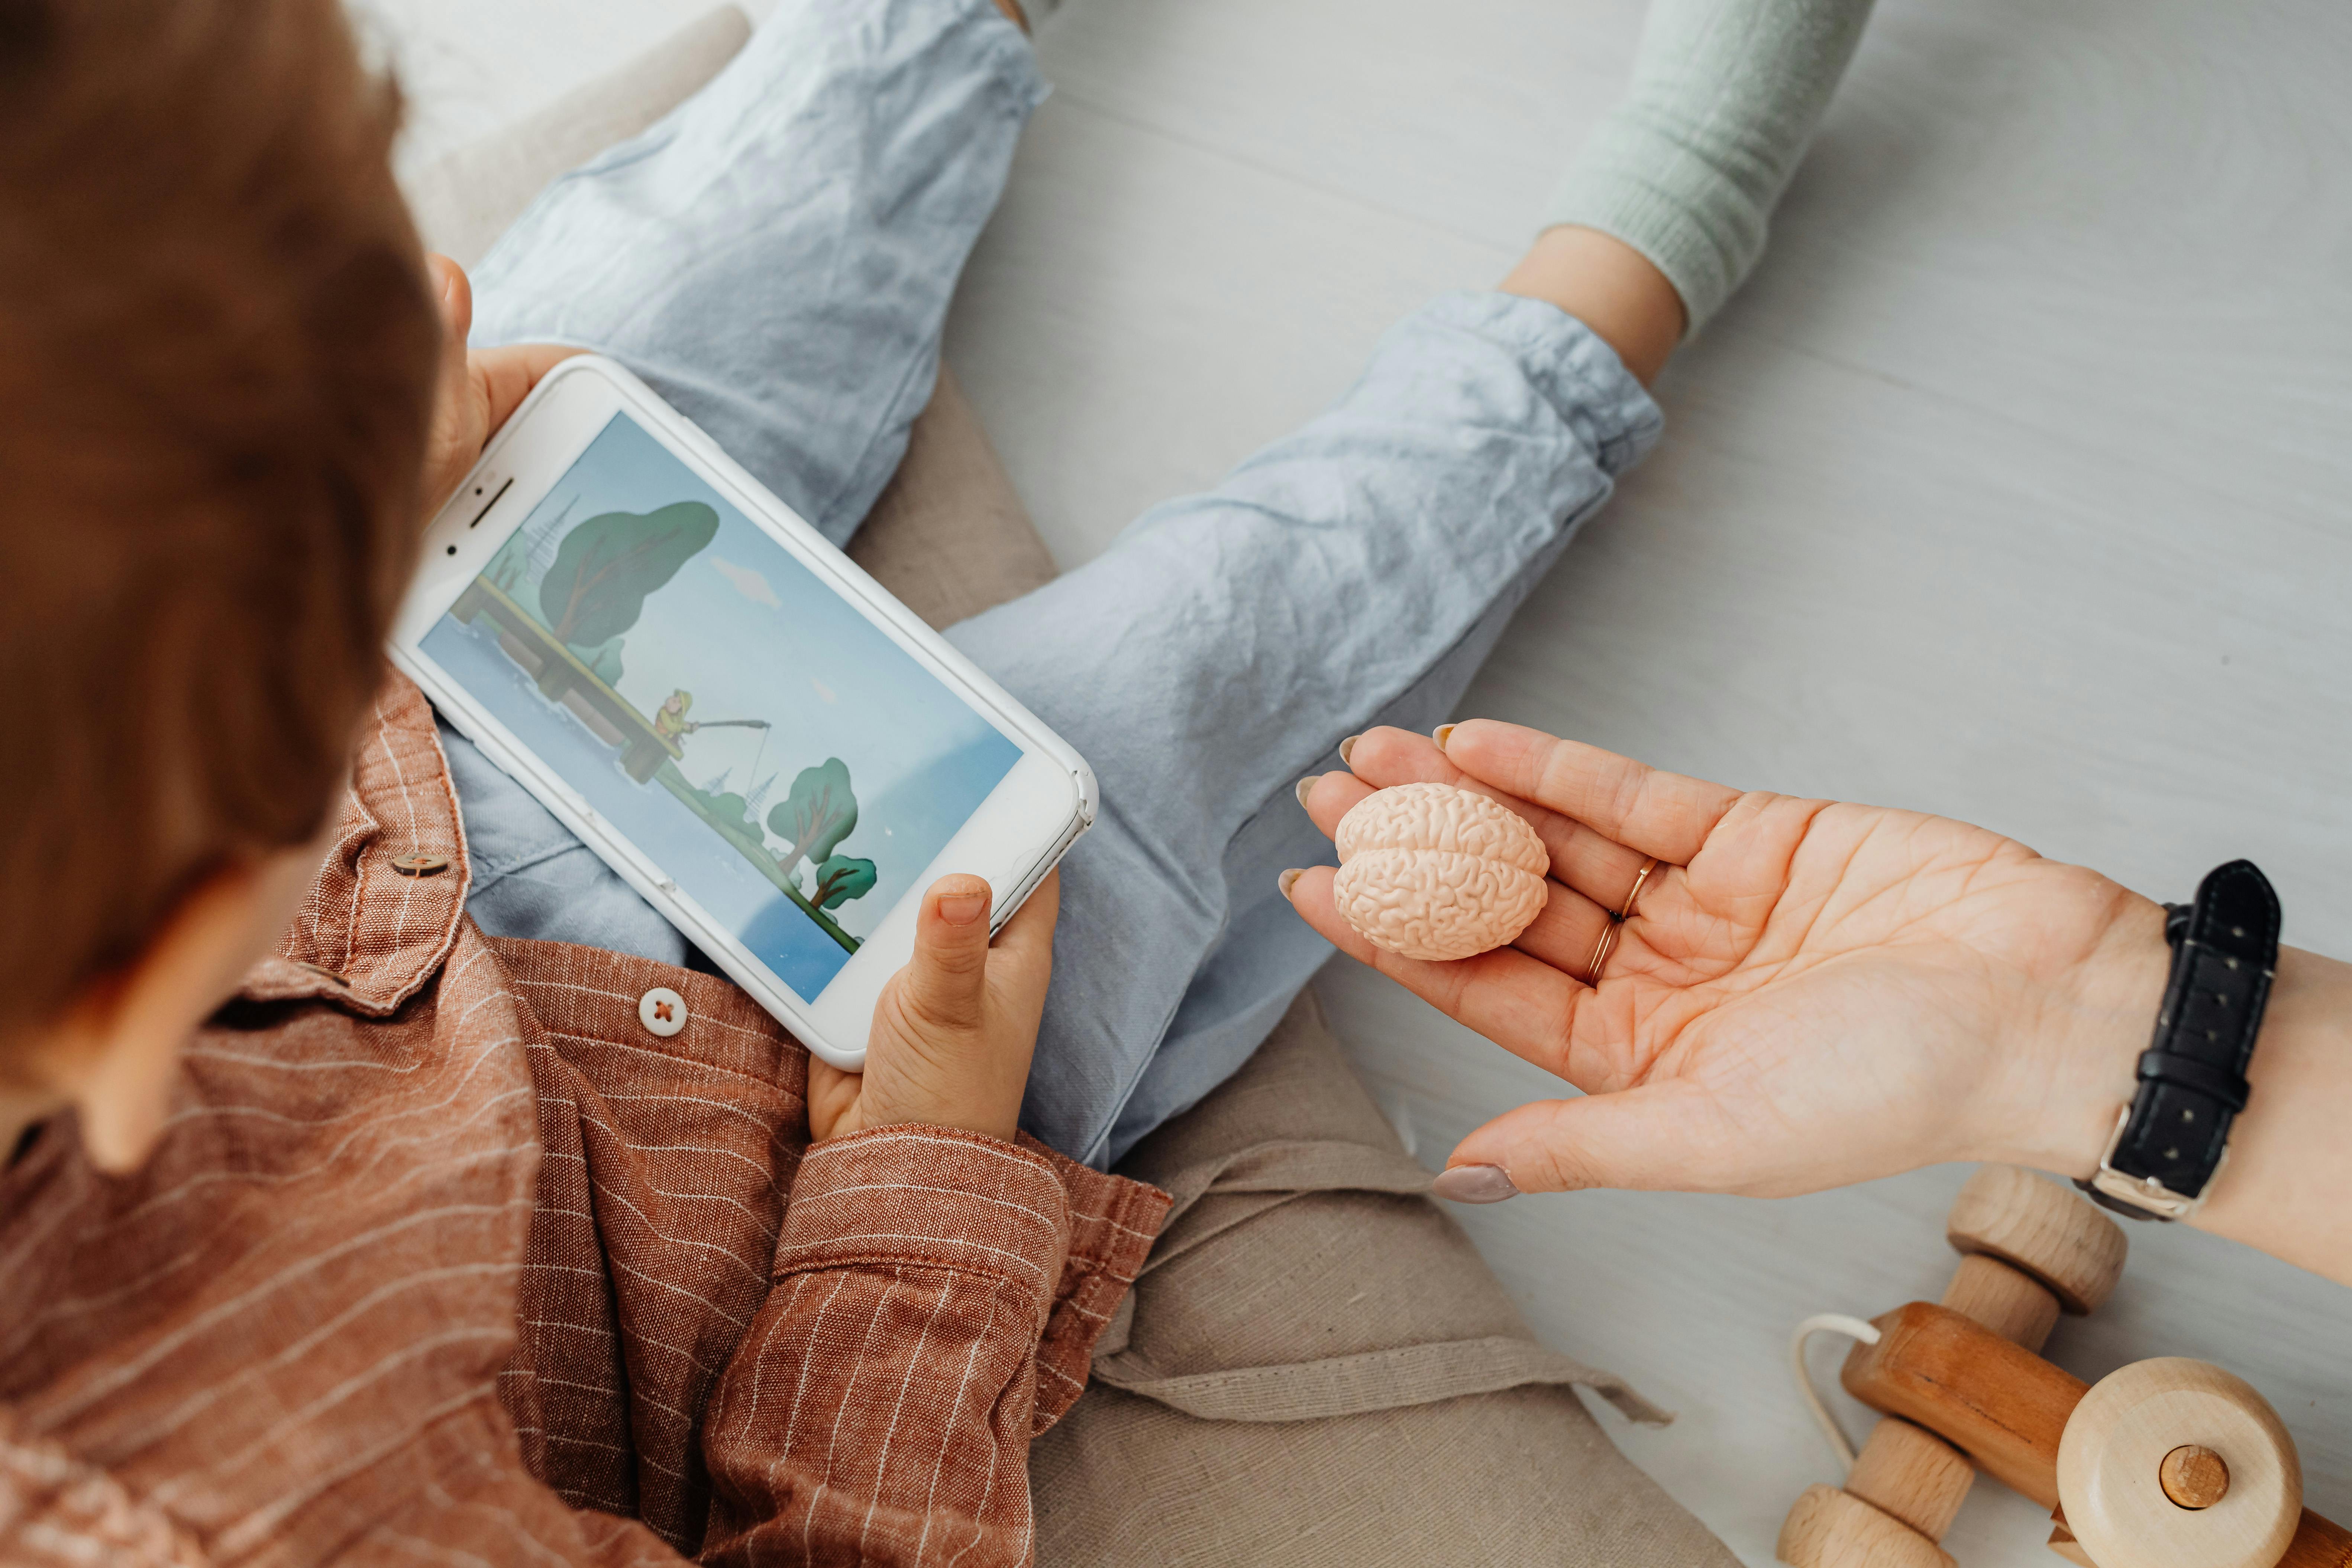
(2170, 1140)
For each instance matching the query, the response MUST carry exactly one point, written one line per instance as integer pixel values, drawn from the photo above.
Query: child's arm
(939, 1286)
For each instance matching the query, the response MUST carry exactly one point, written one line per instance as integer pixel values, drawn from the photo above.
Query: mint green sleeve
(1725, 97)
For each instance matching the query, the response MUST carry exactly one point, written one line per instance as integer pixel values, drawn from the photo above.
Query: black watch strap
(2169, 1141)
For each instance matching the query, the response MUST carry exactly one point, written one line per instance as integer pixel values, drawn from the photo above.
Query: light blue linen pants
(776, 259)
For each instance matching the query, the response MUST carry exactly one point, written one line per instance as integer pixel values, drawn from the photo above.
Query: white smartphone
(775, 753)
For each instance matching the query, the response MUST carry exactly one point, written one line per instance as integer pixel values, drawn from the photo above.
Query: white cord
(1835, 1323)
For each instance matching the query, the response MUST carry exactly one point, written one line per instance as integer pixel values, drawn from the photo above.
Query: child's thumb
(456, 300)
(947, 980)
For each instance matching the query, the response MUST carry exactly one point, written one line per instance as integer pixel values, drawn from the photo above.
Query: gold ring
(1600, 952)
(1625, 909)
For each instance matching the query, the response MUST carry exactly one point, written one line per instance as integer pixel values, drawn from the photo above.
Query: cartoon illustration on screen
(670, 720)
(563, 602)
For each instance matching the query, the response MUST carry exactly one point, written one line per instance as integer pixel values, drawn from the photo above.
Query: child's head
(217, 351)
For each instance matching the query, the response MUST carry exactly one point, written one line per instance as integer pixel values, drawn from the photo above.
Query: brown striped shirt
(446, 1258)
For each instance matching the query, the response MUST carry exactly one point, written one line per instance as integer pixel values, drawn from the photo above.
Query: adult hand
(1806, 994)
(479, 388)
(954, 1029)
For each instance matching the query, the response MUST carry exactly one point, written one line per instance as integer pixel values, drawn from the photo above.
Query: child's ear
(114, 1053)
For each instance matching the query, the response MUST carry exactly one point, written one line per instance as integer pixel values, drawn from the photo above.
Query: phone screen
(790, 767)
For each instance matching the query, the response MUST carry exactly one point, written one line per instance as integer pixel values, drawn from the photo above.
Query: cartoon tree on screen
(840, 879)
(816, 815)
(597, 589)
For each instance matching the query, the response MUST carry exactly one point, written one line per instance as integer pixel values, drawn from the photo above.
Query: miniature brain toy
(1430, 871)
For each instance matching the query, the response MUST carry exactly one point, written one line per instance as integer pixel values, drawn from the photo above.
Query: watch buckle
(2145, 1193)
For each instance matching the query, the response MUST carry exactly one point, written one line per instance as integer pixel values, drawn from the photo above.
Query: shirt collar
(384, 912)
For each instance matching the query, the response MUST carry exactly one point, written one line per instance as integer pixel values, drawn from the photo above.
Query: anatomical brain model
(1430, 871)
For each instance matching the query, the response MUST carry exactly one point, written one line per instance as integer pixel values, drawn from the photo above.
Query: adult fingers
(1522, 1004)
(1651, 811)
(1591, 877)
(1565, 932)
(947, 978)
(1385, 756)
(1328, 797)
(1670, 1135)
(1589, 861)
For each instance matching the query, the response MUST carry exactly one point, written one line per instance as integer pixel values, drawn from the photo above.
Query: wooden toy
(1434, 872)
(2167, 1463)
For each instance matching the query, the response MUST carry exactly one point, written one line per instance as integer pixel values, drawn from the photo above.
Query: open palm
(1805, 992)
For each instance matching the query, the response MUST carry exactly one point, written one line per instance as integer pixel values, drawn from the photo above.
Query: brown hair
(217, 351)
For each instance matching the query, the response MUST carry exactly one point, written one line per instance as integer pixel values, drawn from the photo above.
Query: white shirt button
(662, 1011)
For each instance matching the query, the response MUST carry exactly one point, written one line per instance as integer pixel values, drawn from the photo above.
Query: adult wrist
(2289, 1162)
(2083, 1054)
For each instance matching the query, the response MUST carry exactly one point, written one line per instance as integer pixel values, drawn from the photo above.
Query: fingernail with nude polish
(1288, 880)
(1307, 787)
(1474, 1184)
(1439, 733)
(1347, 746)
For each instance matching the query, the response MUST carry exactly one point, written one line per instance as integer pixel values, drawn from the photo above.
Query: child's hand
(954, 1029)
(479, 388)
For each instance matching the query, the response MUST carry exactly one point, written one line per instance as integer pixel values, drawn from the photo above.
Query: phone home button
(662, 1011)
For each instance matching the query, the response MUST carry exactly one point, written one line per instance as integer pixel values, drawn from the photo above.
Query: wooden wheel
(2041, 1229)
(2174, 1463)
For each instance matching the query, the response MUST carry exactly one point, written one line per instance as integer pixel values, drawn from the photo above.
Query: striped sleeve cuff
(933, 1196)
(1113, 1223)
